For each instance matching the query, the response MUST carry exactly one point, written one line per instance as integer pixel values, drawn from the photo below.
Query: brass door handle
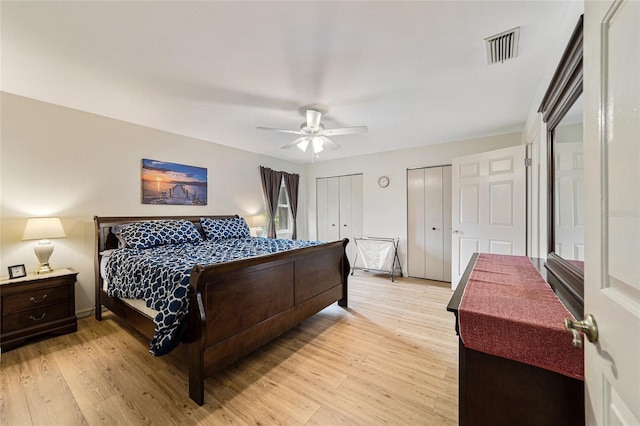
(588, 326)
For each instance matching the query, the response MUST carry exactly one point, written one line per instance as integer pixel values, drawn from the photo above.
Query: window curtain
(291, 184)
(271, 180)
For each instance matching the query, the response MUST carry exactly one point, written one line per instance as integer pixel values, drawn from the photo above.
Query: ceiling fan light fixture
(313, 133)
(303, 144)
(318, 146)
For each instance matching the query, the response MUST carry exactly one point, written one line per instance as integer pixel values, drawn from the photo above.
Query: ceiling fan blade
(313, 119)
(294, 143)
(345, 131)
(294, 132)
(328, 143)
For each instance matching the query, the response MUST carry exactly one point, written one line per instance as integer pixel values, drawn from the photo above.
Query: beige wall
(385, 209)
(63, 162)
(72, 164)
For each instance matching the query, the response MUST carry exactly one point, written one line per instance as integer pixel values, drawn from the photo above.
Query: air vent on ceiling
(502, 47)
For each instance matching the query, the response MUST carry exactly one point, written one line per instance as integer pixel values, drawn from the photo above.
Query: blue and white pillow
(154, 233)
(222, 229)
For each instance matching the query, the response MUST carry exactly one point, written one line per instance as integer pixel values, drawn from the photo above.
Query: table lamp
(258, 222)
(43, 228)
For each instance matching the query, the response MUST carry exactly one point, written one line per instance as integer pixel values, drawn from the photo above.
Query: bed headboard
(106, 240)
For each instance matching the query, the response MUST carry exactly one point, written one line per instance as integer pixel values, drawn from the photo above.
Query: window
(283, 217)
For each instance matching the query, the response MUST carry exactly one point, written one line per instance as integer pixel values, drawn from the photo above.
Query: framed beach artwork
(171, 183)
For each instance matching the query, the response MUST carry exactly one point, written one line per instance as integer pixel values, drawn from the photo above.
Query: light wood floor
(390, 358)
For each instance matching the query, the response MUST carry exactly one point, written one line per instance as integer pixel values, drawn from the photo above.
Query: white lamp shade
(257, 221)
(43, 228)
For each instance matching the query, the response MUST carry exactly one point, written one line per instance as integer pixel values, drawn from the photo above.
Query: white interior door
(569, 196)
(488, 206)
(612, 231)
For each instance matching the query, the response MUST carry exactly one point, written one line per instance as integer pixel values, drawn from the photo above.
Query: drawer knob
(33, 299)
(38, 319)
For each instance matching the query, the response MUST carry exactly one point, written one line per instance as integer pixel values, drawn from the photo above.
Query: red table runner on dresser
(509, 310)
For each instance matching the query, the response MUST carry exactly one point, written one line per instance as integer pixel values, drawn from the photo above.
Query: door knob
(588, 326)
(454, 231)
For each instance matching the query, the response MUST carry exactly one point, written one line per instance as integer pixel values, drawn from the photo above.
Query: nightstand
(37, 304)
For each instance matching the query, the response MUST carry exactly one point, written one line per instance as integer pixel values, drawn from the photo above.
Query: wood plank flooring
(390, 358)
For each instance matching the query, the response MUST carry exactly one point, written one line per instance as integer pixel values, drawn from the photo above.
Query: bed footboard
(236, 307)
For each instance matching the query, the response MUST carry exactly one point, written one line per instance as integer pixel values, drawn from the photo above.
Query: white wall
(385, 209)
(63, 162)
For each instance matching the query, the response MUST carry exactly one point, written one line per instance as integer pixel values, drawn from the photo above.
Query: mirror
(561, 110)
(568, 187)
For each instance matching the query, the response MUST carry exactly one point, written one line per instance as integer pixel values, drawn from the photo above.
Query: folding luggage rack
(377, 254)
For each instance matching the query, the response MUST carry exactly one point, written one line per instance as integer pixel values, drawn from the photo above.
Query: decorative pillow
(221, 229)
(159, 232)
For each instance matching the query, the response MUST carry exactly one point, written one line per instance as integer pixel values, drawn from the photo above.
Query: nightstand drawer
(34, 317)
(36, 298)
(35, 305)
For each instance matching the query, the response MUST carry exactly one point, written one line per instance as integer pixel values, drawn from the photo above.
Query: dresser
(504, 391)
(35, 305)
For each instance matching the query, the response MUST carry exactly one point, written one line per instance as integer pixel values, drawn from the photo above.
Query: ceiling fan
(313, 133)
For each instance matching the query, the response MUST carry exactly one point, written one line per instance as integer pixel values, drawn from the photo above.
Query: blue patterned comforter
(160, 276)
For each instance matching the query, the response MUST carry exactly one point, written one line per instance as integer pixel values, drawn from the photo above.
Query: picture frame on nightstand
(17, 271)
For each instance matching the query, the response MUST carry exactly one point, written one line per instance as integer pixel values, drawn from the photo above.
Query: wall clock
(383, 181)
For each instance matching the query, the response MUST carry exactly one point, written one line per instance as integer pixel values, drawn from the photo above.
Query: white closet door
(345, 206)
(429, 223)
(322, 208)
(333, 209)
(356, 206)
(350, 188)
(416, 223)
(339, 209)
(446, 228)
(433, 223)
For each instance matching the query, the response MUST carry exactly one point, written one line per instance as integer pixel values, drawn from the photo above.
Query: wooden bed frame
(238, 306)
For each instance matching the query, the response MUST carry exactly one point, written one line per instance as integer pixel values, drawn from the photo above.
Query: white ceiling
(413, 72)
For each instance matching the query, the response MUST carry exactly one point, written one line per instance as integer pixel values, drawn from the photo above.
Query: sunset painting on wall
(170, 183)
